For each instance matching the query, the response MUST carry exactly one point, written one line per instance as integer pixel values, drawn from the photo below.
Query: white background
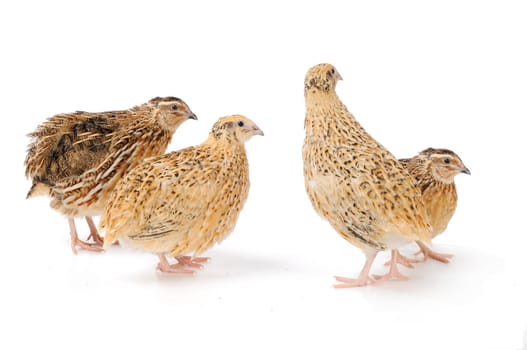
(450, 74)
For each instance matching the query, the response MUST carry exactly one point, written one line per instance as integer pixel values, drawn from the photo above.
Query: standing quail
(77, 158)
(434, 170)
(354, 182)
(186, 201)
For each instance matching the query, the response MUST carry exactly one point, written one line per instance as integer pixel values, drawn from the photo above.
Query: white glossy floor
(451, 75)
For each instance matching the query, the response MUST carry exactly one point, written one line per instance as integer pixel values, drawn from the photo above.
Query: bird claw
(92, 247)
(96, 238)
(352, 282)
(395, 274)
(192, 262)
(94, 234)
(175, 269)
(403, 260)
(430, 254)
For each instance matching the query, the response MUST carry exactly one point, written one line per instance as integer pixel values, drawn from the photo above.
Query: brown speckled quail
(354, 182)
(186, 201)
(77, 158)
(434, 170)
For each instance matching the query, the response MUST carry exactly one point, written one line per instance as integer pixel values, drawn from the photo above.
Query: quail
(183, 202)
(434, 170)
(355, 183)
(76, 159)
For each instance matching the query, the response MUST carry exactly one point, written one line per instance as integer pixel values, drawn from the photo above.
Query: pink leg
(429, 253)
(189, 261)
(403, 260)
(94, 234)
(394, 272)
(76, 242)
(164, 266)
(363, 279)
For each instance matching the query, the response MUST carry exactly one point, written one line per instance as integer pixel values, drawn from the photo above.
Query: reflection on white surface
(416, 75)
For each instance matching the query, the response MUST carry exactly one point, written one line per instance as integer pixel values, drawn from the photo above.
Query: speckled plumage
(186, 201)
(434, 170)
(77, 158)
(352, 180)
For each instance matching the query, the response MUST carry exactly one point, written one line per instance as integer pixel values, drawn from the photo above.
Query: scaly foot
(189, 261)
(76, 242)
(94, 234)
(93, 247)
(403, 260)
(164, 266)
(364, 277)
(430, 254)
(394, 272)
(353, 282)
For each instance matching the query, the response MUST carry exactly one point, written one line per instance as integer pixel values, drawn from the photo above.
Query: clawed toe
(94, 234)
(178, 268)
(174, 268)
(189, 261)
(430, 254)
(392, 274)
(352, 282)
(96, 238)
(92, 247)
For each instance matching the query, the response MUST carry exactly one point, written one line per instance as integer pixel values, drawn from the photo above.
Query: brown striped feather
(79, 157)
(352, 180)
(183, 201)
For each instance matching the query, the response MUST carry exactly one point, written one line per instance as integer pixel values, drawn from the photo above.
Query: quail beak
(192, 116)
(339, 77)
(257, 131)
(465, 170)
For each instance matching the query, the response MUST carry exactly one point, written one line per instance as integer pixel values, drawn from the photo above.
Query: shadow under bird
(183, 202)
(355, 183)
(76, 159)
(434, 170)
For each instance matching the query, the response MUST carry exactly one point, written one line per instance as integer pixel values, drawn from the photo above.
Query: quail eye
(240, 123)
(174, 107)
(447, 160)
(332, 71)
